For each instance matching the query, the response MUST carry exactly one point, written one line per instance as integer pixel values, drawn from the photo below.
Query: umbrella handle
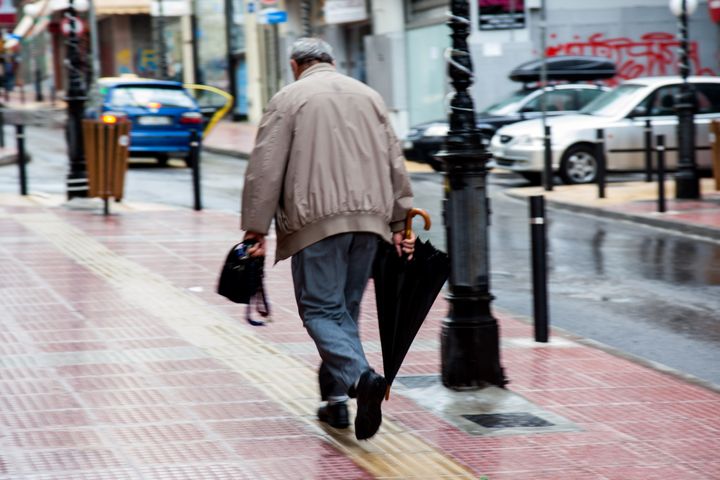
(387, 393)
(408, 221)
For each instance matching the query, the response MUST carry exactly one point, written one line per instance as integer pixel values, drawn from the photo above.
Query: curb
(226, 151)
(8, 158)
(707, 233)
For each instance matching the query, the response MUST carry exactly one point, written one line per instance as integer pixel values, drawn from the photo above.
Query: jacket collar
(318, 67)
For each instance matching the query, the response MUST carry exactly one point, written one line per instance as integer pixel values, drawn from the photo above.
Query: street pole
(231, 41)
(687, 180)
(548, 177)
(305, 12)
(95, 49)
(161, 47)
(197, 73)
(77, 184)
(470, 341)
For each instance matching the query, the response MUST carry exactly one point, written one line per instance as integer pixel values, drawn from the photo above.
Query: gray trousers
(330, 277)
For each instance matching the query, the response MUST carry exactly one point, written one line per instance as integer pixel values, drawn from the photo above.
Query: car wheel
(579, 165)
(534, 178)
(162, 159)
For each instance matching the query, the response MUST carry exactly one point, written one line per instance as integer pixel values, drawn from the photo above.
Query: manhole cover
(508, 420)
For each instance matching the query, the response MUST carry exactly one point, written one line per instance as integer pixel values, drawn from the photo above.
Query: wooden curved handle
(410, 215)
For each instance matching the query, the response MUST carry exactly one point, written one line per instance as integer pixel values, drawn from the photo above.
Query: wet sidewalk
(118, 361)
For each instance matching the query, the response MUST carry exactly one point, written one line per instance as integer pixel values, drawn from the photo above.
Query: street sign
(272, 16)
(65, 26)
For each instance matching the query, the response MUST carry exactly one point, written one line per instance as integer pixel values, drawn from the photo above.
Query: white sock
(333, 399)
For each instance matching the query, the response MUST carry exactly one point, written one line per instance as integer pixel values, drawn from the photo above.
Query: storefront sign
(8, 15)
(344, 11)
(502, 14)
(714, 6)
(170, 8)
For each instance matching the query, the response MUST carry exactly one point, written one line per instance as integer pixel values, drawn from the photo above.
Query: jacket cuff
(396, 227)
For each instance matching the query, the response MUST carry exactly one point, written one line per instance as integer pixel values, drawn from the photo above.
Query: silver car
(621, 113)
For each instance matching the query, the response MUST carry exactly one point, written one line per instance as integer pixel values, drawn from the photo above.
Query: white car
(621, 113)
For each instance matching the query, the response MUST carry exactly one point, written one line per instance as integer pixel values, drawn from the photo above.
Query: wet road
(641, 290)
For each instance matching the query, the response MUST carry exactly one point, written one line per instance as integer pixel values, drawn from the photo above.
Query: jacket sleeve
(266, 169)
(402, 191)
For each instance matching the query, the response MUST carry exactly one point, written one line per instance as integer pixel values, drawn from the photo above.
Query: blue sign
(272, 16)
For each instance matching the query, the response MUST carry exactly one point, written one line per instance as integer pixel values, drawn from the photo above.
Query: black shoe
(370, 393)
(335, 415)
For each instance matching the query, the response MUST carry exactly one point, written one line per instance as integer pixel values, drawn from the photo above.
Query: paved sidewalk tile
(119, 361)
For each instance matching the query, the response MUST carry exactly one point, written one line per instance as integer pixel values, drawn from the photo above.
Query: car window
(708, 97)
(555, 101)
(662, 102)
(587, 95)
(507, 106)
(612, 102)
(142, 96)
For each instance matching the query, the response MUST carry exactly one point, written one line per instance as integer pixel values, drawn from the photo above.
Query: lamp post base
(469, 348)
(687, 185)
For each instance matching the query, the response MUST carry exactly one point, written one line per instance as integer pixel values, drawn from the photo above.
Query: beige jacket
(326, 161)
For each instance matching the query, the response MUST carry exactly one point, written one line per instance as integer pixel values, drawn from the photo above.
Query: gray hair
(308, 49)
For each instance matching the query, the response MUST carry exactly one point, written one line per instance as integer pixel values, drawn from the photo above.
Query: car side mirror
(639, 111)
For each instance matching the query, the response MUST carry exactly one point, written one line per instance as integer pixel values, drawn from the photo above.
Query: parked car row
(425, 140)
(622, 114)
(513, 129)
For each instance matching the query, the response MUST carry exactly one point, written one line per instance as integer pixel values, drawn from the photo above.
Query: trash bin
(106, 156)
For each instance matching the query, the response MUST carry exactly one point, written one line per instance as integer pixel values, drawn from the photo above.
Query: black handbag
(241, 280)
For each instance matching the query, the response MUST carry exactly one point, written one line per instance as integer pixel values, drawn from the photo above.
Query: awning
(122, 7)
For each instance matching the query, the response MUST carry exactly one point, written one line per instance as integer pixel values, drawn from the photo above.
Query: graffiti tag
(655, 53)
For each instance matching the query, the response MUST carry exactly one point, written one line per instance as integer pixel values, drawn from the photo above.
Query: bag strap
(262, 306)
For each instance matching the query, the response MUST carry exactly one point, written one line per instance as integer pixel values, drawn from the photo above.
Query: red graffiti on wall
(654, 54)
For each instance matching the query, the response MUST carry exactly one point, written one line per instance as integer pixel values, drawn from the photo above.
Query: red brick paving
(92, 388)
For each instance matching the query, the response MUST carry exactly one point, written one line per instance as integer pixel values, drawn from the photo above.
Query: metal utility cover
(490, 411)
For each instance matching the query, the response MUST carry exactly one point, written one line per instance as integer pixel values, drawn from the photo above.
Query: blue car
(162, 114)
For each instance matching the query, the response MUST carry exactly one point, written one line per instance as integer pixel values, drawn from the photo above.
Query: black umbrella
(404, 292)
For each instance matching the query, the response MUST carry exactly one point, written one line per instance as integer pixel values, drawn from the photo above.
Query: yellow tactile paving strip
(393, 453)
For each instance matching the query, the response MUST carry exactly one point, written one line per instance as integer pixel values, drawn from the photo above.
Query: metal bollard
(547, 169)
(648, 150)
(601, 163)
(2, 129)
(539, 267)
(660, 142)
(20, 138)
(195, 164)
(38, 86)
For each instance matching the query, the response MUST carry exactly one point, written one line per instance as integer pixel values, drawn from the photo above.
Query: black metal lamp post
(305, 15)
(470, 351)
(687, 180)
(77, 184)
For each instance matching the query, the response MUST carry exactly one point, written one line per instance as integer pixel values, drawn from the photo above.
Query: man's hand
(258, 249)
(404, 245)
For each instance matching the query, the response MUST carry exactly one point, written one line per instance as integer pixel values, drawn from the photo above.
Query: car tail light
(191, 118)
(112, 117)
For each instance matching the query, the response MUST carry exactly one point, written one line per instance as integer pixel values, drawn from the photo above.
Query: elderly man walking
(328, 167)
